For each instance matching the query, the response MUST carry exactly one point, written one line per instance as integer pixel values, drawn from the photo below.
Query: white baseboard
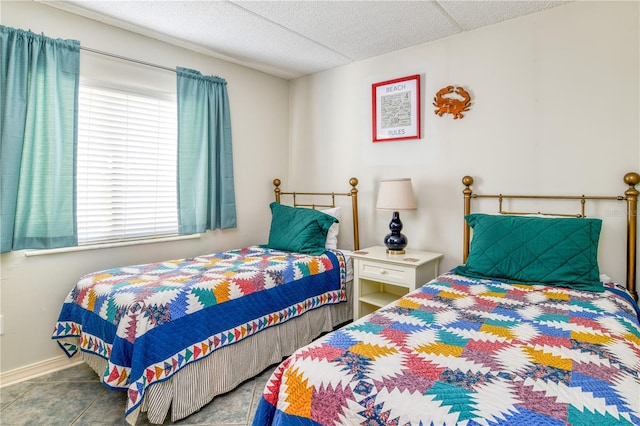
(38, 369)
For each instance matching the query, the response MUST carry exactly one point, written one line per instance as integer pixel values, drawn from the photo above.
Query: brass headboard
(630, 196)
(332, 196)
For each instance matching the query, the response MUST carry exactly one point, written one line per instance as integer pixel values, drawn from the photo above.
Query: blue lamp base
(395, 241)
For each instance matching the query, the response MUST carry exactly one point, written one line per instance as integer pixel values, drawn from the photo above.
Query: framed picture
(396, 109)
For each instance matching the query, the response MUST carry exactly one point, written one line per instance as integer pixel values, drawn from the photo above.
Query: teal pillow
(559, 252)
(298, 229)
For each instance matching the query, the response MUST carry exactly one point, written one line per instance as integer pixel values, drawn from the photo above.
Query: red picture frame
(396, 109)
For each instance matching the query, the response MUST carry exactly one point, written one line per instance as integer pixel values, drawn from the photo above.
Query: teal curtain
(206, 194)
(39, 79)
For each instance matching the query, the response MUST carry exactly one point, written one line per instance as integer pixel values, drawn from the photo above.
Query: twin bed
(522, 332)
(175, 334)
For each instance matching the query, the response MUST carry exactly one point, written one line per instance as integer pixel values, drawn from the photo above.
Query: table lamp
(395, 195)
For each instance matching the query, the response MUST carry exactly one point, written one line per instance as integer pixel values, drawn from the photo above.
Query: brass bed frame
(630, 196)
(182, 395)
(353, 193)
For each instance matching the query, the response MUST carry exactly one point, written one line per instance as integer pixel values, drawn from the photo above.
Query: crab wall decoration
(452, 104)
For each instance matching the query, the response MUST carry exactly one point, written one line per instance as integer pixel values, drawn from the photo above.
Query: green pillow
(298, 229)
(559, 252)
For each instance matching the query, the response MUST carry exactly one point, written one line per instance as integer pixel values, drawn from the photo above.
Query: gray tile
(261, 381)
(8, 394)
(75, 397)
(77, 373)
(51, 404)
(108, 409)
(257, 394)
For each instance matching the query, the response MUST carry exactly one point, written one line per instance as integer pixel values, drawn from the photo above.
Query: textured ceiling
(291, 39)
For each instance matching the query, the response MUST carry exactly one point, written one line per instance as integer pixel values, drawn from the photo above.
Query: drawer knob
(382, 272)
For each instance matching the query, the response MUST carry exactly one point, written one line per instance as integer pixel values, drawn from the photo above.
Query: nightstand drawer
(380, 271)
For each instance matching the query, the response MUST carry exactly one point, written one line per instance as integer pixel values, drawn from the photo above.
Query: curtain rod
(100, 52)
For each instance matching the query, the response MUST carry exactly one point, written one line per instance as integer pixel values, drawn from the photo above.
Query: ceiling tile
(472, 14)
(291, 39)
(357, 29)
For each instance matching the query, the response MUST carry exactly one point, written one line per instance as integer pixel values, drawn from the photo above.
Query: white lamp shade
(396, 194)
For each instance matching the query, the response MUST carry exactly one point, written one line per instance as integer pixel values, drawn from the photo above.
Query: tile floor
(75, 397)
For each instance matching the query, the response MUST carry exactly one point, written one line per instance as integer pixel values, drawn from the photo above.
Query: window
(126, 170)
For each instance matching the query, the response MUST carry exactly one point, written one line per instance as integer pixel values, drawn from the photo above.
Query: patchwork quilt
(463, 351)
(148, 321)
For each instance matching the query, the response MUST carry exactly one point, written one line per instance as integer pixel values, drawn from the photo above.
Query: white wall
(555, 110)
(33, 288)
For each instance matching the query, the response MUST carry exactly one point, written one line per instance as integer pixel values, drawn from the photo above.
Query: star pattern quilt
(148, 321)
(465, 351)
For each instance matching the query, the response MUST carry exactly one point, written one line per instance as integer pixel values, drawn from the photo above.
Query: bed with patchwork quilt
(149, 321)
(467, 351)
(175, 334)
(525, 331)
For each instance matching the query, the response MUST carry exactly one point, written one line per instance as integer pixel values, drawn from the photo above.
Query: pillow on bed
(298, 229)
(535, 250)
(332, 234)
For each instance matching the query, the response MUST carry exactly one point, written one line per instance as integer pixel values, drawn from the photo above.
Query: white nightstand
(380, 278)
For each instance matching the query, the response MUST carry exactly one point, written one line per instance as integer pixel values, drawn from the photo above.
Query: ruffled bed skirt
(198, 383)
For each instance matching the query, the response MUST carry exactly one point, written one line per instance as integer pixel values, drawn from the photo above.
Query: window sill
(30, 253)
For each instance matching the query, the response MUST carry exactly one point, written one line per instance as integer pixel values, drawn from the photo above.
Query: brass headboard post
(354, 207)
(467, 181)
(631, 195)
(354, 203)
(276, 183)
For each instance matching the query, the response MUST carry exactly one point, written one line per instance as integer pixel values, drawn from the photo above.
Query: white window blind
(126, 175)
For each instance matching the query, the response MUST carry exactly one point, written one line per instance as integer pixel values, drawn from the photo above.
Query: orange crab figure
(452, 105)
